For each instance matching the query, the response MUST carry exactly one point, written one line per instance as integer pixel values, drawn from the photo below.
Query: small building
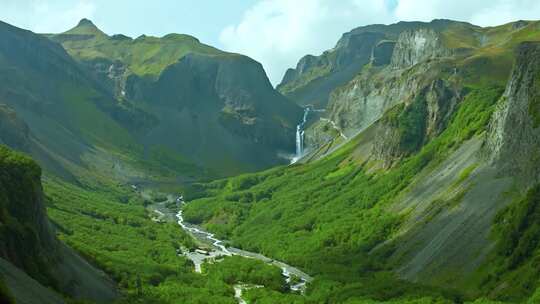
(201, 251)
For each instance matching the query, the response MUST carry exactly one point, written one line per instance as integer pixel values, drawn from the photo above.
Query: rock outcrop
(405, 128)
(416, 46)
(517, 153)
(27, 239)
(383, 52)
(314, 77)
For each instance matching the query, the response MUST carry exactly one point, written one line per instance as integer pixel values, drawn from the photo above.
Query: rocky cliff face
(364, 100)
(517, 153)
(405, 128)
(416, 46)
(27, 239)
(209, 103)
(382, 53)
(189, 98)
(435, 59)
(316, 76)
(113, 74)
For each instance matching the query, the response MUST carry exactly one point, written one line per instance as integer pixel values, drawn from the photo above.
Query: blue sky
(275, 32)
(204, 19)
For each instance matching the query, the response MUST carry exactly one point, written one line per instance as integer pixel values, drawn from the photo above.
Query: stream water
(219, 249)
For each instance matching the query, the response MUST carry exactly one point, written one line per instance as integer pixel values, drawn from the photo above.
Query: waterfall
(300, 136)
(299, 146)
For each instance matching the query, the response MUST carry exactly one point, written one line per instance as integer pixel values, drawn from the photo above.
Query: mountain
(315, 77)
(472, 55)
(191, 112)
(434, 181)
(27, 242)
(202, 99)
(161, 109)
(56, 110)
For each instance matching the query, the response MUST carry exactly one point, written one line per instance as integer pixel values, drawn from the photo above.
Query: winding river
(296, 279)
(219, 249)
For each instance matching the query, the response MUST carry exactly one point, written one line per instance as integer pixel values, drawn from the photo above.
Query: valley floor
(139, 247)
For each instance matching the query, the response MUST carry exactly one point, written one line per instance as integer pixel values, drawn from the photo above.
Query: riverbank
(212, 250)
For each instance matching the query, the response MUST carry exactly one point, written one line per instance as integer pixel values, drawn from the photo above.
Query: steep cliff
(198, 99)
(405, 128)
(67, 114)
(416, 46)
(516, 153)
(459, 55)
(315, 77)
(27, 239)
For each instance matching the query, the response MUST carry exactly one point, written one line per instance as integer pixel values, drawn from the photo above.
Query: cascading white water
(300, 136)
(299, 146)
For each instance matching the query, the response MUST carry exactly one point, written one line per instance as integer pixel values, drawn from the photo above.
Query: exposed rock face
(382, 53)
(441, 100)
(416, 46)
(303, 67)
(237, 90)
(112, 74)
(505, 161)
(364, 100)
(209, 103)
(316, 76)
(517, 152)
(399, 72)
(177, 94)
(406, 127)
(355, 47)
(34, 247)
(519, 24)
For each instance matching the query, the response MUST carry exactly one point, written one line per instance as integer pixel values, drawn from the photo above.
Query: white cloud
(279, 32)
(485, 13)
(46, 16)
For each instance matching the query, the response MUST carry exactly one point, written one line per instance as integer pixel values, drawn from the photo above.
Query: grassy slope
(516, 257)
(144, 56)
(328, 215)
(111, 228)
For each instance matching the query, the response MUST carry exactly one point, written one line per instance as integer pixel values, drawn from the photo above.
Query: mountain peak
(86, 22)
(86, 27)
